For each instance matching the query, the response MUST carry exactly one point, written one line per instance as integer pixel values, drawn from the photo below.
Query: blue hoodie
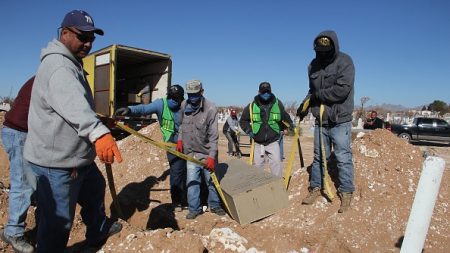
(62, 124)
(157, 107)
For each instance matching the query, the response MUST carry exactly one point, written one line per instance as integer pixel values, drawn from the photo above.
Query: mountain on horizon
(391, 107)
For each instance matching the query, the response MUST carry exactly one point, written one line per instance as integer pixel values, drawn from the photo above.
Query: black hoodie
(332, 83)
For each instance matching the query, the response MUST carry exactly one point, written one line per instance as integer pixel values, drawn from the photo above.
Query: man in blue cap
(64, 137)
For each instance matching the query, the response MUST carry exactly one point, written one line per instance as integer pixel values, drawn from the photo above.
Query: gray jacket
(233, 125)
(199, 131)
(332, 84)
(62, 122)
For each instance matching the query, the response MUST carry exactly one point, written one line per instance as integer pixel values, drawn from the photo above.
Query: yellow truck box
(119, 76)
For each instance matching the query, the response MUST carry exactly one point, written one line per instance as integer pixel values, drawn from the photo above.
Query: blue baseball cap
(82, 21)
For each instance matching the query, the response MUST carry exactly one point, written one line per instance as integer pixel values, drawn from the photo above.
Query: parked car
(423, 129)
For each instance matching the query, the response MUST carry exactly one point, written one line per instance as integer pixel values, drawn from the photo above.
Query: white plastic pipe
(423, 205)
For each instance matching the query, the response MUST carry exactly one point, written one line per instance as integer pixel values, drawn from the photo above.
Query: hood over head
(322, 49)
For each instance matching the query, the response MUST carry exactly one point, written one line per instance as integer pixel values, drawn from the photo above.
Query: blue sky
(400, 48)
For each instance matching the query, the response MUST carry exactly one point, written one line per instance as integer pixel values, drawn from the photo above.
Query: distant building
(425, 113)
(447, 117)
(5, 107)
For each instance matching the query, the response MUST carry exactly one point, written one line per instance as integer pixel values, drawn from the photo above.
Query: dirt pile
(387, 170)
(387, 173)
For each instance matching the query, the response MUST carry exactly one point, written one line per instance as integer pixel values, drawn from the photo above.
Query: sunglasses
(82, 37)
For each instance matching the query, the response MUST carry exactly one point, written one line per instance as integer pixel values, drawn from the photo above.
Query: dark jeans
(232, 142)
(194, 179)
(22, 181)
(177, 179)
(281, 141)
(339, 139)
(57, 195)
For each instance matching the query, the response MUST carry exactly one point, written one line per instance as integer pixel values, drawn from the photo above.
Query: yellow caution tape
(295, 145)
(305, 105)
(179, 154)
(326, 177)
(252, 146)
(288, 171)
(252, 151)
(169, 144)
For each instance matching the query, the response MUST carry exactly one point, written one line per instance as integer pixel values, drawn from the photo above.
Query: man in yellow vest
(169, 117)
(262, 121)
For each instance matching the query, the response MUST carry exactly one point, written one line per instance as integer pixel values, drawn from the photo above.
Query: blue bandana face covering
(172, 103)
(265, 96)
(194, 99)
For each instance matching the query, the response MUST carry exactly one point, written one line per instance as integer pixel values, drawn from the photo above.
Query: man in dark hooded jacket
(331, 78)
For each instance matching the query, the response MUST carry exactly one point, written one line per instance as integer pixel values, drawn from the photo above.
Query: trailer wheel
(405, 136)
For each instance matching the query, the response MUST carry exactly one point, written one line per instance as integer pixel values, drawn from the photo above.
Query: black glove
(301, 113)
(292, 128)
(123, 111)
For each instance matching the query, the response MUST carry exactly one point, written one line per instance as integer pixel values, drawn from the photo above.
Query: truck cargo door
(102, 83)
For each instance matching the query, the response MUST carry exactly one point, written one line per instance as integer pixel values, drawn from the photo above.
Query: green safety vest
(167, 124)
(274, 117)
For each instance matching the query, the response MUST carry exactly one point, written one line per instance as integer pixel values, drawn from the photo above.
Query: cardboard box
(133, 98)
(251, 193)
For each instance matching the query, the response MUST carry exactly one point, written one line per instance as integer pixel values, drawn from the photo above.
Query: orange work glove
(210, 164)
(180, 146)
(106, 149)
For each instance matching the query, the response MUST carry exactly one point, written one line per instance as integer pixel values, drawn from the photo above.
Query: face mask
(172, 103)
(325, 56)
(194, 99)
(265, 96)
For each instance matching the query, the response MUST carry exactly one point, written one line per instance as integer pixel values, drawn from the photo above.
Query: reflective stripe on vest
(167, 124)
(274, 117)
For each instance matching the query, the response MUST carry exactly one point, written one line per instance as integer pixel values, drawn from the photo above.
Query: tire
(405, 136)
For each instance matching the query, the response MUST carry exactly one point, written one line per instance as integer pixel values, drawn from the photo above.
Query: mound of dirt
(387, 171)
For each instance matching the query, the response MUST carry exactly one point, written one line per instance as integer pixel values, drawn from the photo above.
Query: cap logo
(323, 42)
(88, 19)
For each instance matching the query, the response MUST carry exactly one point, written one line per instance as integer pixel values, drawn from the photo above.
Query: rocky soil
(387, 171)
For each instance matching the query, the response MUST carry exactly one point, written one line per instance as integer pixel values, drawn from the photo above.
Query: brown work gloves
(210, 164)
(107, 149)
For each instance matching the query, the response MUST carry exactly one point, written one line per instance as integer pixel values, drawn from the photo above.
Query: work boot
(346, 199)
(313, 194)
(218, 210)
(114, 228)
(178, 207)
(192, 215)
(18, 243)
